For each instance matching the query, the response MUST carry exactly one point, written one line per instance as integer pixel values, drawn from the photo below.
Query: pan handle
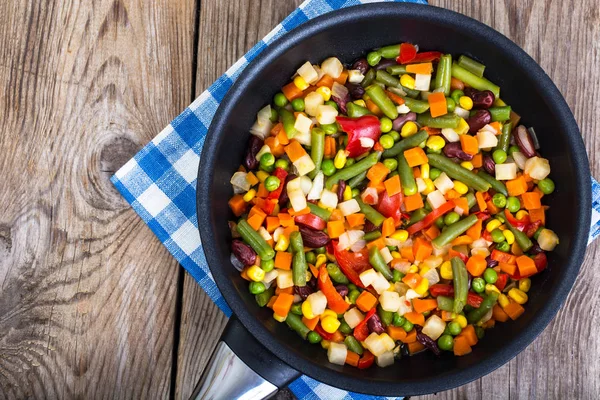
(242, 368)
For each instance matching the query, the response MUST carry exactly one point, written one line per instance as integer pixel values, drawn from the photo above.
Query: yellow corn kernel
(408, 129)
(423, 286)
(282, 244)
(330, 324)
(408, 81)
(425, 171)
(360, 102)
(489, 288)
(465, 102)
(328, 313)
(460, 187)
(525, 284)
(424, 269)
(435, 143)
(321, 259)
(413, 269)
(300, 83)
(249, 195)
(462, 128)
(446, 270)
(502, 227)
(307, 310)
(429, 186)
(279, 318)
(400, 235)
(493, 224)
(325, 92)
(395, 254)
(325, 344)
(256, 273)
(467, 165)
(309, 276)
(461, 320)
(521, 214)
(331, 257)
(503, 300)
(518, 295)
(262, 175)
(340, 159)
(347, 193)
(509, 236)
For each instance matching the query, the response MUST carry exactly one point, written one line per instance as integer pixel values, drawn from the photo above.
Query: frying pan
(268, 355)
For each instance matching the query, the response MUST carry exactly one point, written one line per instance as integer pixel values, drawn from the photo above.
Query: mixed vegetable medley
(391, 206)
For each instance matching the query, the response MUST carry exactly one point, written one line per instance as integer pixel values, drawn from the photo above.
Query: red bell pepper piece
(441, 289)
(427, 56)
(361, 331)
(281, 174)
(431, 217)
(408, 52)
(453, 253)
(267, 205)
(325, 335)
(531, 228)
(310, 220)
(334, 300)
(501, 281)
(487, 236)
(501, 256)
(352, 264)
(520, 224)
(474, 300)
(366, 360)
(389, 206)
(367, 126)
(482, 215)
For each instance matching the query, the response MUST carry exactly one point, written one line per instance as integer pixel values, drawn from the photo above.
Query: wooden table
(91, 304)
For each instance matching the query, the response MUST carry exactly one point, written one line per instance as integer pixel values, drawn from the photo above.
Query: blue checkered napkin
(160, 181)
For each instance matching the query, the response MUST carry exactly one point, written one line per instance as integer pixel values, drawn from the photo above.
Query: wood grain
(87, 298)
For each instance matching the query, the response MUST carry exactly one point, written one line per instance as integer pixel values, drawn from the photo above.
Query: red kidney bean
(491, 263)
(481, 99)
(303, 291)
(524, 141)
(383, 64)
(428, 342)
(254, 145)
(536, 249)
(362, 65)
(399, 122)
(480, 119)
(356, 91)
(374, 324)
(313, 238)
(243, 252)
(342, 290)
(489, 165)
(340, 190)
(342, 102)
(454, 150)
(369, 227)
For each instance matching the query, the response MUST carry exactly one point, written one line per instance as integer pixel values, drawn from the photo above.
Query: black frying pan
(348, 34)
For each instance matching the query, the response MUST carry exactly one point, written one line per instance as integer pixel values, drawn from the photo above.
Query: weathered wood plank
(87, 298)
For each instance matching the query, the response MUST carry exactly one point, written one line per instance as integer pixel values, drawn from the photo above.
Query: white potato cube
(390, 301)
(422, 82)
(317, 301)
(506, 171)
(436, 199)
(381, 284)
(349, 207)
(355, 76)
(411, 294)
(304, 165)
(332, 67)
(297, 199)
(461, 112)
(303, 123)
(294, 184)
(405, 305)
(537, 168)
(368, 277)
(421, 185)
(450, 135)
(486, 139)
(271, 275)
(443, 183)
(263, 150)
(385, 360)
(284, 279)
(317, 186)
(308, 73)
(336, 353)
(311, 103)
(386, 254)
(328, 199)
(326, 114)
(434, 327)
(353, 317)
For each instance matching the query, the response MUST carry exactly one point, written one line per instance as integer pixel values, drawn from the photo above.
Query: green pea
(499, 156)
(320, 250)
(353, 295)
(407, 326)
(267, 160)
(386, 141)
(328, 168)
(513, 204)
(351, 286)
(332, 104)
(451, 104)
(282, 163)
(490, 276)
(311, 258)
(398, 320)
(355, 192)
(397, 276)
(272, 183)
(386, 124)
(546, 186)
(446, 342)
(440, 222)
(480, 332)
(345, 328)
(274, 115)
(280, 100)
(454, 328)
(451, 218)
(478, 285)
(373, 58)
(257, 287)
(504, 246)
(434, 173)
(296, 309)
(349, 162)
(391, 164)
(298, 105)
(456, 95)
(513, 149)
(314, 338)
(329, 129)
(499, 200)
(395, 135)
(267, 265)
(536, 235)
(497, 236)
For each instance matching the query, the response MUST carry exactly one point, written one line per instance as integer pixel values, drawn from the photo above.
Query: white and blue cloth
(160, 181)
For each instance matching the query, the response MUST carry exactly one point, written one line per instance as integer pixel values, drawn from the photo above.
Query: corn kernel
(347, 193)
(328, 313)
(425, 171)
(467, 165)
(525, 284)
(460, 187)
(518, 295)
(502, 227)
(395, 254)
(424, 269)
(465, 102)
(321, 259)
(509, 236)
(360, 102)
(413, 269)
(300, 83)
(340, 159)
(408, 81)
(435, 143)
(400, 235)
(429, 186)
(256, 273)
(282, 244)
(408, 129)
(278, 317)
(249, 195)
(325, 344)
(521, 214)
(503, 300)
(446, 270)
(262, 175)
(461, 320)
(325, 92)
(308, 276)
(489, 288)
(493, 224)
(423, 286)
(330, 324)
(307, 310)
(331, 257)
(463, 127)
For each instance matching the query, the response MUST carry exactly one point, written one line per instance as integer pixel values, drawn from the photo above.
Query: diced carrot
(262, 191)
(526, 266)
(283, 304)
(477, 160)
(413, 202)
(480, 201)
(325, 80)
(355, 220)
(461, 346)
(392, 185)
(407, 253)
(366, 301)
(336, 215)
(464, 239)
(244, 273)
(517, 186)
(256, 210)
(342, 78)
(282, 137)
(272, 301)
(294, 150)
(411, 337)
(421, 249)
(288, 230)
(513, 310)
(452, 194)
(432, 232)
(474, 232)
(272, 224)
(310, 323)
(538, 191)
(283, 260)
(304, 211)
(337, 337)
(531, 200)
(377, 146)
(423, 305)
(288, 290)
(432, 131)
(501, 256)
(476, 265)
(241, 169)
(378, 186)
(469, 333)
(498, 314)
(291, 91)
(469, 144)
(251, 179)
(415, 156)
(448, 316)
(256, 221)
(527, 178)
(510, 269)
(388, 227)
(379, 243)
(516, 249)
(377, 173)
(285, 219)
(335, 229)
(437, 104)
(415, 318)
(276, 129)
(396, 333)
(329, 150)
(275, 146)
(412, 279)
(394, 97)
(538, 214)
(352, 358)
(416, 172)
(415, 347)
(373, 107)
(237, 205)
(463, 204)
(491, 207)
(490, 323)
(314, 270)
(420, 68)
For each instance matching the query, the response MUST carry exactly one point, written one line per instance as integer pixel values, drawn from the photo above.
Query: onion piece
(524, 141)
(534, 139)
(519, 159)
(237, 264)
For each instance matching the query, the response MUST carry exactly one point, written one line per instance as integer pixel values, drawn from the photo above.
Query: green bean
(369, 77)
(377, 261)
(353, 170)
(471, 200)
(486, 305)
(500, 114)
(319, 212)
(471, 65)
(354, 110)
(407, 179)
(460, 277)
(456, 171)
(253, 238)
(445, 303)
(411, 92)
(370, 236)
(263, 298)
(295, 322)
(387, 79)
(386, 316)
(371, 214)
(504, 141)
(288, 120)
(472, 80)
(353, 345)
(443, 76)
(494, 183)
(454, 231)
(357, 180)
(417, 216)
(405, 144)
(444, 121)
(396, 69)
(336, 274)
(317, 150)
(392, 51)
(382, 101)
(520, 237)
(417, 106)
(299, 265)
